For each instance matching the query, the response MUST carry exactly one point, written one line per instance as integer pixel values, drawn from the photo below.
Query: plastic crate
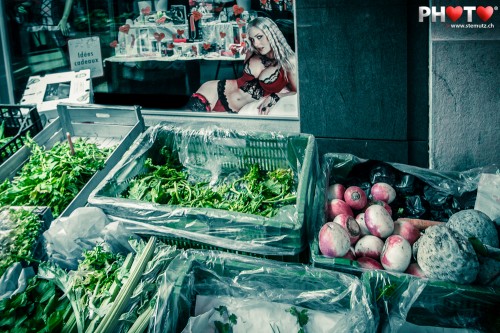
(281, 237)
(437, 303)
(18, 120)
(106, 126)
(219, 274)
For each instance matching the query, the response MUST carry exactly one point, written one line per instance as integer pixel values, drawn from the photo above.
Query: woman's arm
(270, 101)
(63, 24)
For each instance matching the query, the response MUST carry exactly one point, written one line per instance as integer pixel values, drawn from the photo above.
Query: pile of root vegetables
(360, 227)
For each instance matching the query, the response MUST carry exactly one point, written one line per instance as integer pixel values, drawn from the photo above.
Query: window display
(155, 53)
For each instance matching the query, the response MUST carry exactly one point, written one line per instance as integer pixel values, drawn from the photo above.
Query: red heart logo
(113, 43)
(222, 34)
(207, 46)
(180, 32)
(161, 20)
(146, 10)
(454, 13)
(159, 36)
(124, 28)
(484, 13)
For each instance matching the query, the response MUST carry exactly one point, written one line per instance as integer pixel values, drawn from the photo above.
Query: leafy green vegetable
(20, 232)
(231, 319)
(53, 177)
(257, 192)
(387, 291)
(302, 317)
(40, 308)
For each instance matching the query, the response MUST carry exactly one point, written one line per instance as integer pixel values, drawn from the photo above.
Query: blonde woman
(269, 74)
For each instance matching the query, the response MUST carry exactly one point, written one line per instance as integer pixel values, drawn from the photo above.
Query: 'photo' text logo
(455, 13)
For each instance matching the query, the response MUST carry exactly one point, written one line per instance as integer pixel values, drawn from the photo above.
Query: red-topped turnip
(383, 192)
(360, 218)
(355, 197)
(369, 246)
(349, 224)
(336, 207)
(380, 203)
(335, 191)
(414, 269)
(369, 263)
(396, 254)
(407, 231)
(378, 221)
(333, 240)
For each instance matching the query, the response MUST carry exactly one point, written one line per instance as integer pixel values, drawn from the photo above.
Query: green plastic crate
(436, 303)
(218, 152)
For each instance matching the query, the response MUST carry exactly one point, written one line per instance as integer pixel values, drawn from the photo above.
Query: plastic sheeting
(341, 299)
(421, 193)
(216, 156)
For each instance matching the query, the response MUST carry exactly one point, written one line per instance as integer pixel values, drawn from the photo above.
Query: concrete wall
(465, 102)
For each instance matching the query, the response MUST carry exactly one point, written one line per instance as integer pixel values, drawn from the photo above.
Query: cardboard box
(47, 91)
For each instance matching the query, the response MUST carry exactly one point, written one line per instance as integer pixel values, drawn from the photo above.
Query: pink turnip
(407, 231)
(336, 207)
(381, 203)
(360, 218)
(355, 197)
(383, 192)
(414, 269)
(369, 246)
(378, 221)
(396, 254)
(349, 224)
(369, 263)
(335, 191)
(333, 240)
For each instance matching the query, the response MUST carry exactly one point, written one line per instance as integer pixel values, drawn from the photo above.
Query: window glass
(216, 55)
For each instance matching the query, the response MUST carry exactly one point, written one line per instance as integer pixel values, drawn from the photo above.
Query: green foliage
(53, 177)
(302, 317)
(21, 230)
(230, 318)
(257, 192)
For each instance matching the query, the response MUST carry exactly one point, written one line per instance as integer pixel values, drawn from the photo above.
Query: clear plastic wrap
(235, 279)
(424, 194)
(216, 156)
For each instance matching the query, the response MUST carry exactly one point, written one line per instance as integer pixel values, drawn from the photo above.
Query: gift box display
(414, 204)
(219, 196)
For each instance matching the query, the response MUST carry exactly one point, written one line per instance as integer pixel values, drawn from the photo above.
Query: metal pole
(4, 46)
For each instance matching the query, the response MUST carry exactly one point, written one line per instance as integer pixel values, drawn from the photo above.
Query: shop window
(166, 54)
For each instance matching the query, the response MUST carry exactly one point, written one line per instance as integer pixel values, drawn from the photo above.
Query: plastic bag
(86, 227)
(14, 280)
(224, 276)
(216, 156)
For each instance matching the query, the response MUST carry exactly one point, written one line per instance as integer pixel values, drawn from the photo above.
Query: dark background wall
(377, 83)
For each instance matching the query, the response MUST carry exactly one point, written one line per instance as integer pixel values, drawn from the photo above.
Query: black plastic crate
(16, 126)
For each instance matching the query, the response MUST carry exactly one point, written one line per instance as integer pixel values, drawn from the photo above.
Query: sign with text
(85, 53)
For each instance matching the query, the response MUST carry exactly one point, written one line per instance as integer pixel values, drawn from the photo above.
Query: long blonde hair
(283, 53)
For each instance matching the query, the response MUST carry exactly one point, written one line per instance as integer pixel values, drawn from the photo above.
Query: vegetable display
(19, 233)
(256, 192)
(53, 177)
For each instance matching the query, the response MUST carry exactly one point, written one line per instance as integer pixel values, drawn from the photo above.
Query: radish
(378, 221)
(360, 218)
(369, 263)
(383, 192)
(333, 240)
(335, 191)
(407, 231)
(355, 197)
(349, 224)
(381, 203)
(414, 269)
(369, 246)
(336, 207)
(396, 254)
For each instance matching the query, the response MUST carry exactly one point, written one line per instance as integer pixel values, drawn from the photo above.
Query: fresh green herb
(41, 307)
(302, 317)
(53, 177)
(231, 320)
(21, 231)
(257, 192)
(387, 291)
